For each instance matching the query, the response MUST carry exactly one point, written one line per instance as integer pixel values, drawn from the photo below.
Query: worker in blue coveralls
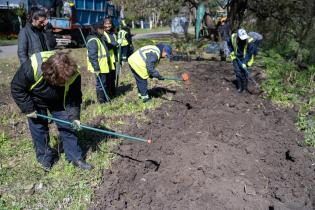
(143, 66)
(241, 47)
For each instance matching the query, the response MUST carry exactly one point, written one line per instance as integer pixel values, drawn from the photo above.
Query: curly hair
(58, 69)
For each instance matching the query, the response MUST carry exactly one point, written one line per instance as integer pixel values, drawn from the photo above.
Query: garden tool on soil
(248, 74)
(184, 77)
(81, 126)
(103, 88)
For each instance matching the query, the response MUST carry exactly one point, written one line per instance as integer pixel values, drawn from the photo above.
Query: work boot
(100, 97)
(240, 86)
(245, 85)
(46, 166)
(82, 165)
(146, 100)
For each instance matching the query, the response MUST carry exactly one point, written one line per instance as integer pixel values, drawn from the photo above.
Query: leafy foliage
(287, 25)
(287, 86)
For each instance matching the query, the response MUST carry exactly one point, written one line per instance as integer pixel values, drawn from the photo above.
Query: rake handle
(132, 138)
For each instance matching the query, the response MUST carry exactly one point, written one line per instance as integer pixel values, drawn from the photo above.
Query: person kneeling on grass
(142, 64)
(50, 81)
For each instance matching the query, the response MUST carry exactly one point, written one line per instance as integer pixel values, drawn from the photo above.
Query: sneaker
(146, 100)
(82, 165)
(46, 166)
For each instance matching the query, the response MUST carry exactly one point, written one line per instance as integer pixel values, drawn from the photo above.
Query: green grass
(24, 185)
(143, 31)
(288, 86)
(6, 42)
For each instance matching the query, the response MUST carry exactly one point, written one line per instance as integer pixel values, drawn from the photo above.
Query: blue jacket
(151, 60)
(240, 51)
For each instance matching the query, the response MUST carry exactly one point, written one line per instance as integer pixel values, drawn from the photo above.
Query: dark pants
(102, 80)
(142, 84)
(241, 76)
(126, 51)
(240, 73)
(111, 83)
(40, 135)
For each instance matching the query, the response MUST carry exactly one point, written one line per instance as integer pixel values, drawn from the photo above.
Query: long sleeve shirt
(44, 95)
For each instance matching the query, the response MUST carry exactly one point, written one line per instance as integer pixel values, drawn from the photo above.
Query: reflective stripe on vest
(138, 60)
(122, 35)
(37, 60)
(235, 46)
(111, 51)
(102, 57)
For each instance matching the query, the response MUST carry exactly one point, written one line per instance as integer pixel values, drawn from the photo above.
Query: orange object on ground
(185, 76)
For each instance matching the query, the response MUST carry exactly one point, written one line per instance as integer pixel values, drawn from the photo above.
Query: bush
(287, 86)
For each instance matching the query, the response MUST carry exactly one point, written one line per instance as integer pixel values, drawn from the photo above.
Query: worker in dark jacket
(126, 45)
(112, 43)
(142, 64)
(50, 81)
(98, 60)
(241, 49)
(33, 38)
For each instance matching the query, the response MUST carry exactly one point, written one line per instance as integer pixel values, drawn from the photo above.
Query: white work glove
(32, 115)
(76, 124)
(119, 41)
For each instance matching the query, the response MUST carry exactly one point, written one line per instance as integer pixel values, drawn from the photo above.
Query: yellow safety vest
(122, 35)
(37, 60)
(138, 60)
(102, 57)
(111, 52)
(235, 46)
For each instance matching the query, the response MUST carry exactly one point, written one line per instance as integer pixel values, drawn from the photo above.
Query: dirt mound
(212, 149)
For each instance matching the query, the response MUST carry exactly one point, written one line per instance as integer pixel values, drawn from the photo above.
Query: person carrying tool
(112, 43)
(97, 60)
(142, 64)
(241, 49)
(50, 81)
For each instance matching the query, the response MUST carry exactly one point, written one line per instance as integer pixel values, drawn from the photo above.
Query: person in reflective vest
(51, 81)
(241, 49)
(143, 64)
(98, 60)
(126, 44)
(112, 43)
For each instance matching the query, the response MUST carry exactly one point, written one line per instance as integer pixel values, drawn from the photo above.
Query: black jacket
(44, 96)
(92, 48)
(30, 42)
